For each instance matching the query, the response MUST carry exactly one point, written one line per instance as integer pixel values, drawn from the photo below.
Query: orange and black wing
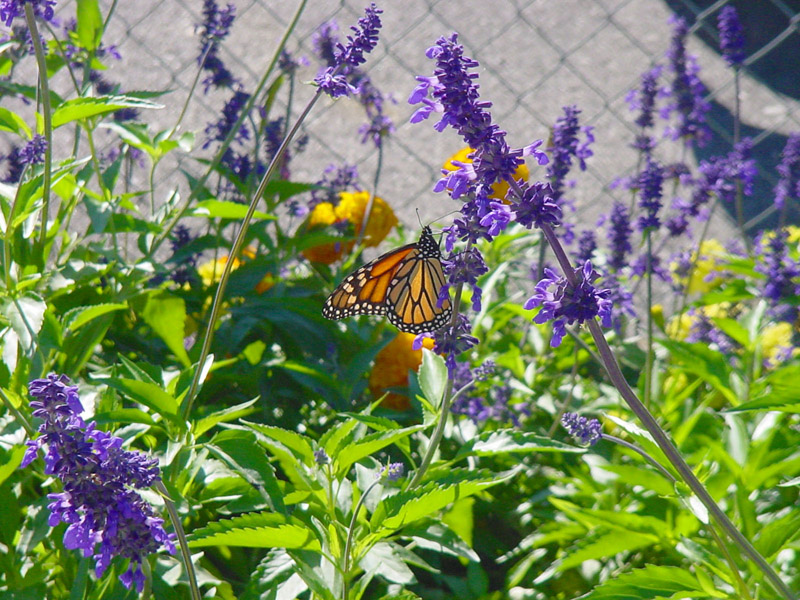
(403, 284)
(363, 292)
(413, 295)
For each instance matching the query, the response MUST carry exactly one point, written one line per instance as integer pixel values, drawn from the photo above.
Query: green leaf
(26, 315)
(411, 505)
(83, 108)
(77, 317)
(297, 443)
(257, 530)
(151, 395)
(432, 377)
(11, 121)
(90, 24)
(503, 441)
(650, 583)
(241, 451)
(704, 362)
(166, 315)
(225, 415)
(606, 546)
(370, 444)
(223, 209)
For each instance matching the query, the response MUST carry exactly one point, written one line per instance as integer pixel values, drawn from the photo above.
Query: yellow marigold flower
(679, 327)
(351, 208)
(211, 270)
(353, 205)
(500, 188)
(324, 215)
(391, 368)
(711, 251)
(776, 340)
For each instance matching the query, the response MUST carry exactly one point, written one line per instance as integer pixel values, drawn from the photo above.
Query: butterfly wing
(363, 292)
(403, 284)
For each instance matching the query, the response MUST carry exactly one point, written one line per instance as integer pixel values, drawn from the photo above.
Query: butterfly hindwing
(403, 284)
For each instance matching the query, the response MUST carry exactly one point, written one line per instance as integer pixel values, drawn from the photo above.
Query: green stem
(18, 415)
(447, 400)
(348, 544)
(231, 135)
(659, 436)
(234, 253)
(47, 117)
(182, 542)
(645, 455)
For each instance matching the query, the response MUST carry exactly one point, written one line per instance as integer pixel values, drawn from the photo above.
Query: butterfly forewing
(403, 284)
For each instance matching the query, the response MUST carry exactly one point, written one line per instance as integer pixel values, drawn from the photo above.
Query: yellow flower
(350, 208)
(794, 234)
(353, 205)
(679, 327)
(391, 368)
(711, 251)
(500, 188)
(775, 339)
(211, 271)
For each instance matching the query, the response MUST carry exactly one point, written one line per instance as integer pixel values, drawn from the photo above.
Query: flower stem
(348, 544)
(181, 535)
(231, 135)
(234, 253)
(47, 117)
(659, 435)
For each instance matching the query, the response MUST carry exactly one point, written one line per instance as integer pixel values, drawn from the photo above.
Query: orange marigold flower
(350, 208)
(500, 188)
(391, 368)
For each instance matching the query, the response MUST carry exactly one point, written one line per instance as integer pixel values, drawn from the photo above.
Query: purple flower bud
(586, 431)
(731, 36)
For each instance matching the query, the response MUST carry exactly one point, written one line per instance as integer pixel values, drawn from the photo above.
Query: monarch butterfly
(403, 284)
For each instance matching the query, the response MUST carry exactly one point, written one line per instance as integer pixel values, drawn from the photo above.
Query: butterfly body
(403, 285)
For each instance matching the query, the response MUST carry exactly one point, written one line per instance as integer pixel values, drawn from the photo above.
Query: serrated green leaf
(26, 315)
(257, 530)
(649, 583)
(166, 315)
(505, 441)
(411, 505)
(77, 317)
(369, 445)
(297, 443)
(226, 415)
(241, 451)
(223, 209)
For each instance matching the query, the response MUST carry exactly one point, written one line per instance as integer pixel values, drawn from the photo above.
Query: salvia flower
(686, 91)
(781, 272)
(586, 431)
(536, 206)
(731, 36)
(33, 152)
(393, 471)
(650, 181)
(789, 171)
(218, 131)
(451, 341)
(619, 236)
(10, 9)
(321, 457)
(567, 146)
(644, 98)
(215, 27)
(105, 517)
(464, 267)
(587, 244)
(567, 303)
(333, 79)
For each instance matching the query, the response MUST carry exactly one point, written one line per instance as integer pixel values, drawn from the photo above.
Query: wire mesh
(536, 57)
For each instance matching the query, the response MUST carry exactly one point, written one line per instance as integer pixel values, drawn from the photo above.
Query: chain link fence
(536, 57)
